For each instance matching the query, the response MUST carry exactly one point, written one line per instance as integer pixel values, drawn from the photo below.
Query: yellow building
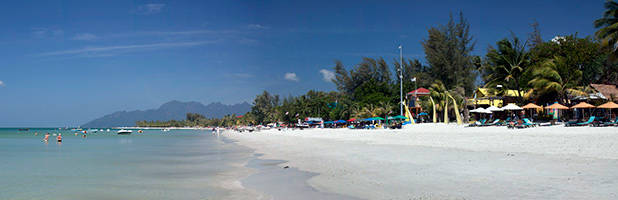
(484, 96)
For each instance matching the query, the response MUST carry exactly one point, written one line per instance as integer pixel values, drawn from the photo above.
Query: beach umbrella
(351, 120)
(398, 117)
(477, 110)
(494, 109)
(423, 113)
(582, 105)
(609, 105)
(328, 122)
(531, 106)
(557, 106)
(378, 118)
(340, 121)
(511, 107)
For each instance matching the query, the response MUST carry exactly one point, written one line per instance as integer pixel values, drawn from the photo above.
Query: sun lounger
(529, 123)
(478, 123)
(611, 123)
(586, 123)
(495, 122)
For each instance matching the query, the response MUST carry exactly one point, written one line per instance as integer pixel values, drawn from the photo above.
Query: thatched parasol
(582, 105)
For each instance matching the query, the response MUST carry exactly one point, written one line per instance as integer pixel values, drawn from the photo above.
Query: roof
(419, 92)
(607, 90)
(484, 92)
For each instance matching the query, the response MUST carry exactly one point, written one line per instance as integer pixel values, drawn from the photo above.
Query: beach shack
(413, 99)
(485, 97)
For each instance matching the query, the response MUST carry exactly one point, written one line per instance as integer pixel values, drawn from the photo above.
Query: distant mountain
(173, 110)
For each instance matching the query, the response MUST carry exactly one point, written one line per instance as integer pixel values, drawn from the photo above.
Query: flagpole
(401, 80)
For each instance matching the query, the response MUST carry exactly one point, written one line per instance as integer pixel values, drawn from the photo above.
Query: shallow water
(179, 164)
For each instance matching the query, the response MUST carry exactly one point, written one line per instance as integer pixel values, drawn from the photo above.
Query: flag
(413, 79)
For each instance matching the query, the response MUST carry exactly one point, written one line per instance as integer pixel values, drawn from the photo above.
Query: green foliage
(608, 24)
(506, 64)
(448, 52)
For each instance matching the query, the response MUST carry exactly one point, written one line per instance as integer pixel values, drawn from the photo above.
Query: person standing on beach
(59, 138)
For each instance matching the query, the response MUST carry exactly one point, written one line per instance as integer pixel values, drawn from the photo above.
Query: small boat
(124, 132)
(166, 130)
(108, 130)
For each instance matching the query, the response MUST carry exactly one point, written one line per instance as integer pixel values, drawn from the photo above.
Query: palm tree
(554, 76)
(506, 64)
(439, 96)
(608, 34)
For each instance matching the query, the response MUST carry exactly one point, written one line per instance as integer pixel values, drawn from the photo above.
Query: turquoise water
(179, 164)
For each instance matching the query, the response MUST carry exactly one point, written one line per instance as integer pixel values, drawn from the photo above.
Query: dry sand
(437, 161)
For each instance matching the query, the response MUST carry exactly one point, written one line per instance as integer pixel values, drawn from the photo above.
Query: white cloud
(150, 9)
(2, 84)
(41, 33)
(290, 76)
(327, 75)
(154, 46)
(84, 36)
(257, 26)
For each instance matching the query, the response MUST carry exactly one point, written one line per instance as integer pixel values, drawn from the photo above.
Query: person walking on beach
(46, 138)
(59, 138)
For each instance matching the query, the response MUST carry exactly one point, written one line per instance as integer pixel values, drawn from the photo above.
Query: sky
(64, 63)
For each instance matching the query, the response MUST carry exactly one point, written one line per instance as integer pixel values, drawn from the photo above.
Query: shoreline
(436, 161)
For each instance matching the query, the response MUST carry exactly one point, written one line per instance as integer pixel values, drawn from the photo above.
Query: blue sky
(64, 63)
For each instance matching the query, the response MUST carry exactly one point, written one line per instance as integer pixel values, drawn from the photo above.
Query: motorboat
(124, 132)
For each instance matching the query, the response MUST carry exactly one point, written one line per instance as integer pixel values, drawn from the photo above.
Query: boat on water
(124, 132)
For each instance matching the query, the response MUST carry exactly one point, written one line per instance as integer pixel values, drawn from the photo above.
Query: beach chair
(513, 124)
(478, 123)
(586, 123)
(571, 123)
(529, 123)
(495, 122)
(611, 123)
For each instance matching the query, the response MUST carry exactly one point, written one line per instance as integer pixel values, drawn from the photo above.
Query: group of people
(58, 138)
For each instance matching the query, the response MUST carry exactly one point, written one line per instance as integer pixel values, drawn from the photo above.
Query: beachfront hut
(609, 105)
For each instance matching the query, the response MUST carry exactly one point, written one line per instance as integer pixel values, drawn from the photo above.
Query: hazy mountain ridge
(173, 110)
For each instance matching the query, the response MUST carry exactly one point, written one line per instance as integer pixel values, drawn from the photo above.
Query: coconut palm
(506, 65)
(608, 34)
(439, 96)
(554, 76)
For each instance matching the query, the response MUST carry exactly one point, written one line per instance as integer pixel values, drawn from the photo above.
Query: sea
(155, 164)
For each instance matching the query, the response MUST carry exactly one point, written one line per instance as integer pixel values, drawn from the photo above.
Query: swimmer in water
(46, 138)
(59, 137)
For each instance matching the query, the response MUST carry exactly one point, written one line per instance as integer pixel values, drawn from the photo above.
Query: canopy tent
(557, 106)
(378, 118)
(494, 109)
(340, 121)
(511, 107)
(531, 106)
(351, 120)
(329, 122)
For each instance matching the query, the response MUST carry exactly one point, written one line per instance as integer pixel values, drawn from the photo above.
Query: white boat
(108, 130)
(124, 132)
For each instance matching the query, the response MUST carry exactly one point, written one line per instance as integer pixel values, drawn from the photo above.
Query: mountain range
(173, 110)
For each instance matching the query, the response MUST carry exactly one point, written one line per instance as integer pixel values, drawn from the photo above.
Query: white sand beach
(437, 161)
